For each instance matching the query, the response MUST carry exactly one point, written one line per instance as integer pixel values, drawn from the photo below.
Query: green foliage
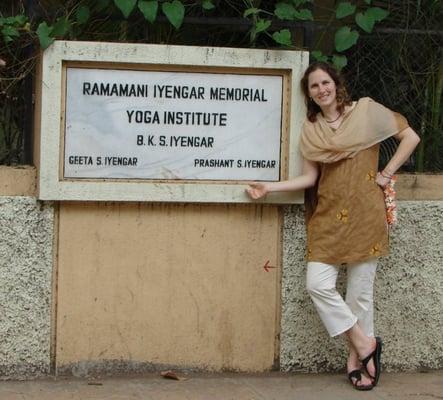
(47, 34)
(61, 27)
(71, 24)
(379, 14)
(345, 38)
(44, 35)
(208, 5)
(262, 25)
(304, 15)
(344, 9)
(317, 55)
(162, 21)
(339, 61)
(149, 9)
(260, 13)
(125, 6)
(82, 14)
(367, 20)
(11, 26)
(284, 11)
(9, 32)
(175, 12)
(283, 37)
(250, 11)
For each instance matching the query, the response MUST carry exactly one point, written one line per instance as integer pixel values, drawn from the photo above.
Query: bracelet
(388, 173)
(384, 174)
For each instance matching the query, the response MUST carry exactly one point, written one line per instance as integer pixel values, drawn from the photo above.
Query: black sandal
(356, 374)
(376, 357)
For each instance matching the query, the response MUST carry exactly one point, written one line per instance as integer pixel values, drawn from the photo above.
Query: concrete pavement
(270, 386)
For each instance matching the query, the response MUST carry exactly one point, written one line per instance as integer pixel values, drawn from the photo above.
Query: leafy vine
(263, 17)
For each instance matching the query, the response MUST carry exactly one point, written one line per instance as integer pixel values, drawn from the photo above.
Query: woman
(346, 218)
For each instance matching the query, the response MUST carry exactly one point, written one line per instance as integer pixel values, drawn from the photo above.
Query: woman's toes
(365, 381)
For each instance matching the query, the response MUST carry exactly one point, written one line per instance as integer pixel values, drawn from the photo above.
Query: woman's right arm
(307, 179)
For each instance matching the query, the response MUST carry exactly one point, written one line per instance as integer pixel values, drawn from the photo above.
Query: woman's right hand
(257, 190)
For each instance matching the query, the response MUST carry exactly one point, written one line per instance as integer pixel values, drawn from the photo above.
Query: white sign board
(172, 125)
(160, 123)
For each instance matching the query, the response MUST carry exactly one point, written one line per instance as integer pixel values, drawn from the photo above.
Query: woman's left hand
(382, 180)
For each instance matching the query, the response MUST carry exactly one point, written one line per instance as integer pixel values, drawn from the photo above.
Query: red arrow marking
(267, 266)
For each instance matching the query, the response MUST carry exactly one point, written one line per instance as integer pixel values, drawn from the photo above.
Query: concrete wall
(105, 287)
(26, 236)
(408, 296)
(409, 292)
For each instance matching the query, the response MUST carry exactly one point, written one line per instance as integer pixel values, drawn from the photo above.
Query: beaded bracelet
(390, 202)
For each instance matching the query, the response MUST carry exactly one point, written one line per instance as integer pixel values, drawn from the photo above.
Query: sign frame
(50, 118)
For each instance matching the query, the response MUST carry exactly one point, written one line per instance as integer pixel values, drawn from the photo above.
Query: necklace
(336, 119)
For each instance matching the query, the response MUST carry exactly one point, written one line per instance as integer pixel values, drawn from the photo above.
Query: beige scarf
(364, 125)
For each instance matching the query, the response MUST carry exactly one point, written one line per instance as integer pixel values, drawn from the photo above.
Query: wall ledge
(18, 180)
(420, 187)
(21, 181)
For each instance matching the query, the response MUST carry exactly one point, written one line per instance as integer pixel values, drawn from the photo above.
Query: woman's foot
(368, 349)
(372, 361)
(358, 379)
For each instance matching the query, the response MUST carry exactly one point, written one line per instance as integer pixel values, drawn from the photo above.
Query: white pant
(337, 315)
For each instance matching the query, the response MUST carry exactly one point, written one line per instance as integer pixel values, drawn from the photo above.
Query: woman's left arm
(408, 142)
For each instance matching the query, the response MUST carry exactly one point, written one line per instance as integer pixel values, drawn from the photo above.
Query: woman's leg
(332, 309)
(359, 293)
(359, 298)
(334, 312)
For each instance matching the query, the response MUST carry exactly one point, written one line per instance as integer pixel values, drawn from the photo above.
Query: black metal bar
(279, 24)
(276, 23)
(410, 31)
(308, 35)
(28, 88)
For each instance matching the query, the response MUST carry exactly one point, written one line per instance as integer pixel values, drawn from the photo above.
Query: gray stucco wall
(26, 237)
(409, 293)
(408, 297)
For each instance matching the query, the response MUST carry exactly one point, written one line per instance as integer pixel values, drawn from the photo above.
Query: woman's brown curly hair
(342, 96)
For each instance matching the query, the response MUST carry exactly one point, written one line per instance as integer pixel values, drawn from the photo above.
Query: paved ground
(270, 386)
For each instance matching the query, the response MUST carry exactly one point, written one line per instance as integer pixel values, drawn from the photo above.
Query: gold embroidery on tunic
(343, 216)
(375, 250)
(309, 254)
(370, 176)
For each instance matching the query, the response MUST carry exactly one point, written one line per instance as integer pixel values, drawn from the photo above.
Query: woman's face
(322, 88)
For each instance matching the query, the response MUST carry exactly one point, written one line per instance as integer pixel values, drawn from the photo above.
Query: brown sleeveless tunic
(348, 222)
